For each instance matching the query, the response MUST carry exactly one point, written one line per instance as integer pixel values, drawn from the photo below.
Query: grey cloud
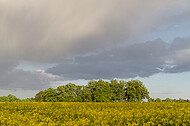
(7, 65)
(142, 59)
(179, 56)
(53, 31)
(27, 80)
(180, 43)
(178, 69)
(49, 31)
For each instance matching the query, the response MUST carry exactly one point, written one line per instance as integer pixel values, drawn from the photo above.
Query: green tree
(158, 100)
(61, 93)
(9, 98)
(181, 100)
(117, 90)
(12, 98)
(151, 100)
(28, 100)
(168, 100)
(3, 99)
(86, 94)
(187, 100)
(135, 91)
(50, 95)
(69, 93)
(78, 92)
(39, 96)
(101, 91)
(96, 91)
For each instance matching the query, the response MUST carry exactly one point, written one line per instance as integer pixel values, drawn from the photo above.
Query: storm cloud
(137, 60)
(88, 39)
(27, 80)
(45, 31)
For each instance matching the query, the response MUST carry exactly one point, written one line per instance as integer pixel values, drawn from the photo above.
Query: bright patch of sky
(26, 65)
(168, 32)
(165, 85)
(22, 94)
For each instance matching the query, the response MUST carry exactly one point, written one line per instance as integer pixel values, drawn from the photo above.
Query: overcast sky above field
(46, 43)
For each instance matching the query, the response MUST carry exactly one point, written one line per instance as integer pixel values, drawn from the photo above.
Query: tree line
(168, 100)
(94, 91)
(12, 98)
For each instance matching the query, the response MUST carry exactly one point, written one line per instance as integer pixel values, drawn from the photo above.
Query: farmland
(89, 113)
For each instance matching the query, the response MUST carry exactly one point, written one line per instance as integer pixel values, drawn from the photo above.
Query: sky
(47, 43)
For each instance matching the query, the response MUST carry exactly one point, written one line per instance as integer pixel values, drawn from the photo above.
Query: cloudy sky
(46, 43)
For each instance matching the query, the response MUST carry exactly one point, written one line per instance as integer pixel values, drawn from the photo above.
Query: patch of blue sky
(28, 65)
(170, 31)
(167, 32)
(172, 85)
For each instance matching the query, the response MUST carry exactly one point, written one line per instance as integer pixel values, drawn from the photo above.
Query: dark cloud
(51, 31)
(87, 39)
(27, 80)
(142, 59)
(6, 65)
(180, 44)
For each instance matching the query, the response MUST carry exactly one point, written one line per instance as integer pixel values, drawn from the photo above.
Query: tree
(96, 91)
(187, 100)
(9, 98)
(78, 92)
(100, 90)
(168, 100)
(117, 90)
(92, 87)
(151, 100)
(3, 99)
(181, 100)
(12, 98)
(86, 94)
(50, 95)
(39, 96)
(158, 100)
(28, 100)
(62, 94)
(69, 93)
(135, 91)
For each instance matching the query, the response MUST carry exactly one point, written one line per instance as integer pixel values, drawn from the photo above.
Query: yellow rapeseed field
(84, 114)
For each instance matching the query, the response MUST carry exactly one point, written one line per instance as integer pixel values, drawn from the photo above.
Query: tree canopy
(96, 91)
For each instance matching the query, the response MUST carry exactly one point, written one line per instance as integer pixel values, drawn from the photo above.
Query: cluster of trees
(12, 98)
(96, 91)
(167, 100)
